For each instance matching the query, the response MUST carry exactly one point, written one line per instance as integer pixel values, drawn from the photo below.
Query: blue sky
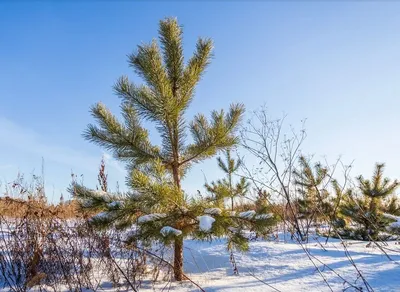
(336, 64)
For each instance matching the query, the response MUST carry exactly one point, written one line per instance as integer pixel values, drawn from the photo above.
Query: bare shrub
(40, 248)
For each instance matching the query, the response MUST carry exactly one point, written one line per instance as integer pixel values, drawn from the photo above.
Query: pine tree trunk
(178, 259)
(373, 205)
(373, 210)
(178, 246)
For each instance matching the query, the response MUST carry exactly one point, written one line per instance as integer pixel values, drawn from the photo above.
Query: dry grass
(18, 208)
(53, 247)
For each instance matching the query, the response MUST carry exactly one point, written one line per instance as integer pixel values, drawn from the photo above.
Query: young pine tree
(225, 188)
(313, 203)
(366, 211)
(156, 202)
(223, 193)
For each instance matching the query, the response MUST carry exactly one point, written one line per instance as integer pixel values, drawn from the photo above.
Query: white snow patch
(205, 222)
(101, 215)
(286, 267)
(150, 217)
(213, 211)
(100, 193)
(263, 216)
(133, 231)
(281, 263)
(167, 230)
(114, 204)
(395, 224)
(233, 229)
(248, 214)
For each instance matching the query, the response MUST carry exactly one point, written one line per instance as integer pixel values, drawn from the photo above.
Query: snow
(100, 193)
(114, 204)
(393, 225)
(263, 216)
(252, 215)
(244, 232)
(286, 267)
(248, 214)
(390, 216)
(213, 211)
(277, 265)
(205, 222)
(132, 231)
(167, 230)
(150, 217)
(101, 215)
(233, 229)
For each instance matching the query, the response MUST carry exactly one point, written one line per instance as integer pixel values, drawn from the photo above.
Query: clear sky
(336, 64)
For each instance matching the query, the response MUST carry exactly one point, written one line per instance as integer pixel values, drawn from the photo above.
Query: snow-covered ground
(283, 265)
(286, 267)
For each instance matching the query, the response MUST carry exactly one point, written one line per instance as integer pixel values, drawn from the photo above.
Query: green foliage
(258, 220)
(313, 203)
(392, 206)
(158, 196)
(225, 188)
(364, 212)
(163, 99)
(155, 171)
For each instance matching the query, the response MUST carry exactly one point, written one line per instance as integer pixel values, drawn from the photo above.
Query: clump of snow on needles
(167, 230)
(150, 217)
(248, 214)
(213, 211)
(102, 215)
(233, 229)
(252, 215)
(393, 225)
(100, 193)
(132, 232)
(263, 216)
(114, 204)
(205, 222)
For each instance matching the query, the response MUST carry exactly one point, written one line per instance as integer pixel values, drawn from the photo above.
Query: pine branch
(171, 44)
(211, 138)
(130, 143)
(194, 70)
(148, 64)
